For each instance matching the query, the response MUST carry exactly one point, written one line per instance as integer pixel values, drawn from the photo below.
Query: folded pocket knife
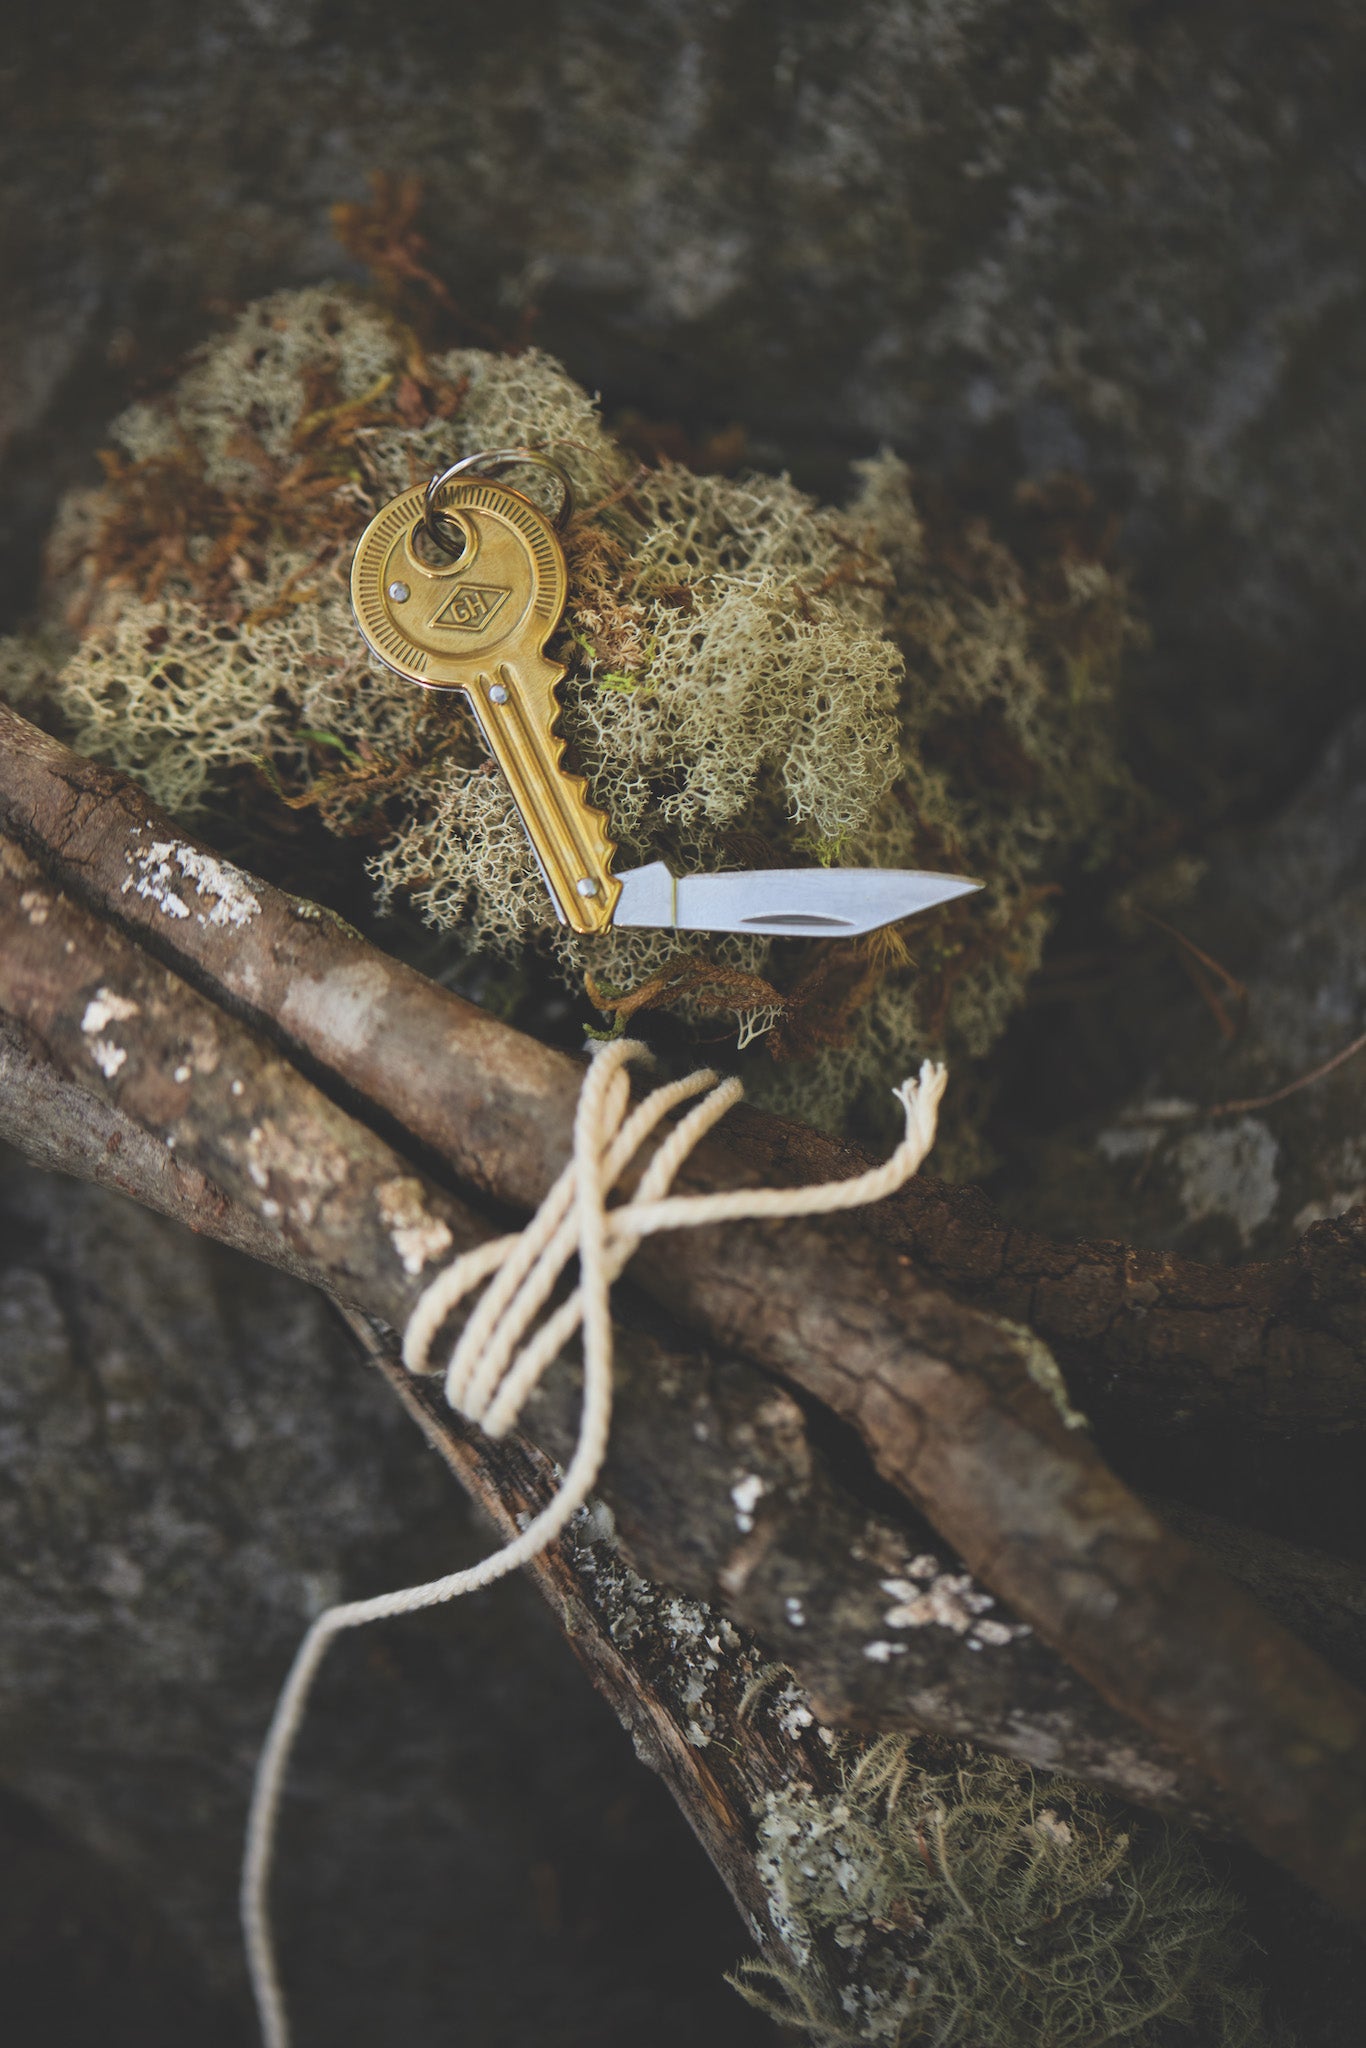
(458, 585)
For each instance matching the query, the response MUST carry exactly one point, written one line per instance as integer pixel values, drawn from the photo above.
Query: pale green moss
(980, 1907)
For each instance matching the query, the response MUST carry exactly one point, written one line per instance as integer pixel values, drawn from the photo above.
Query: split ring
(490, 464)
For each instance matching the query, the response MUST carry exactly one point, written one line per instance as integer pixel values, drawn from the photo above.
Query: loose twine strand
(492, 1372)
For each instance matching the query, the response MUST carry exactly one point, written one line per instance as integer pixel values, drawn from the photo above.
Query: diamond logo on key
(472, 606)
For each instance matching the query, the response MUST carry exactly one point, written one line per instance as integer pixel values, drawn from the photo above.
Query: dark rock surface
(1283, 909)
(1123, 240)
(192, 1461)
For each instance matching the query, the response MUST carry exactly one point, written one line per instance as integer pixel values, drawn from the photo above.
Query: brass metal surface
(479, 624)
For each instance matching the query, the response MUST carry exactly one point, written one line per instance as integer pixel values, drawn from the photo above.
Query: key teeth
(599, 916)
(599, 820)
(570, 835)
(579, 785)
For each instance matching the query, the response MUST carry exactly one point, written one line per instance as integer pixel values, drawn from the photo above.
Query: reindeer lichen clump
(753, 679)
(978, 1907)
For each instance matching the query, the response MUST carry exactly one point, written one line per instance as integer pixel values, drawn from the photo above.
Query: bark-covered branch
(944, 1398)
(1143, 1335)
(690, 1426)
(646, 1652)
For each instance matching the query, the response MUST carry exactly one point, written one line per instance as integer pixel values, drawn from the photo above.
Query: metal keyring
(490, 464)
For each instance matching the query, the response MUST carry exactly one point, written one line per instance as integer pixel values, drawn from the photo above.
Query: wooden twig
(955, 1409)
(1136, 1331)
(1198, 965)
(342, 1207)
(1145, 1338)
(1249, 1103)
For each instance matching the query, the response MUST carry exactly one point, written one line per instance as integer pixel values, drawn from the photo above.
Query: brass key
(458, 586)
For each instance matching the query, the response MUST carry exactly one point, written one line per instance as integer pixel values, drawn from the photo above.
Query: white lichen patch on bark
(106, 1007)
(306, 1176)
(745, 1494)
(944, 1603)
(167, 871)
(108, 1057)
(35, 906)
(997, 1631)
(951, 1600)
(791, 1709)
(708, 1671)
(416, 1236)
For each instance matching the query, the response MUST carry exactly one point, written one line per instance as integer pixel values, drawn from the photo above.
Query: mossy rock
(754, 679)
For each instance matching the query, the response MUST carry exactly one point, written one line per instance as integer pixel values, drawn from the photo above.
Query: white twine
(489, 1377)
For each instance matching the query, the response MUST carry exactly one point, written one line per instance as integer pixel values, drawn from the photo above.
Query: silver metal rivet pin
(497, 694)
(586, 886)
(399, 592)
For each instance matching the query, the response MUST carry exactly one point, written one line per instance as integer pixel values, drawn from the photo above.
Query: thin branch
(1194, 958)
(1251, 1102)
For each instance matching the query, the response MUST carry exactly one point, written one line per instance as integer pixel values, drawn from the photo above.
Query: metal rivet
(497, 694)
(399, 592)
(586, 886)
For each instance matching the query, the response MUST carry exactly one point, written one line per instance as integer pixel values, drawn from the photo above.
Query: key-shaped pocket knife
(458, 586)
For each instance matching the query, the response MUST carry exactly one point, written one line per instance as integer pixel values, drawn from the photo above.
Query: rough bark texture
(1142, 1335)
(342, 1203)
(659, 1674)
(942, 1397)
(690, 1426)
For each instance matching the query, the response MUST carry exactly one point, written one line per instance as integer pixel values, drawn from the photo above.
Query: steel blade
(793, 903)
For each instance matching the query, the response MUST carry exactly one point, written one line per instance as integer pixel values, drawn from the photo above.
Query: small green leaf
(330, 739)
